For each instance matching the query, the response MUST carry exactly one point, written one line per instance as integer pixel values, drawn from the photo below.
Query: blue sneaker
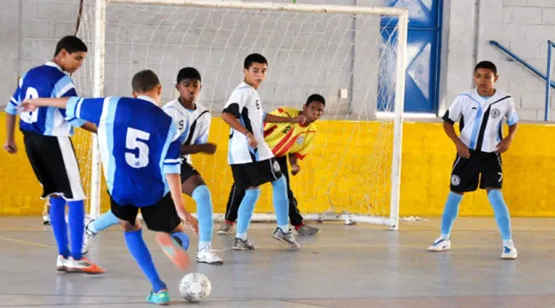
(160, 298)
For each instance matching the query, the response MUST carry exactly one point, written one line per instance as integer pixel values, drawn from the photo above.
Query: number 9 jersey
(46, 81)
(138, 145)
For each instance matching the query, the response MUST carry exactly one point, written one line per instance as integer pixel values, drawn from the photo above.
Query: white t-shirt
(481, 118)
(244, 103)
(193, 125)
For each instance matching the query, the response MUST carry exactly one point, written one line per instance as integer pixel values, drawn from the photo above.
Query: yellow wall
(349, 168)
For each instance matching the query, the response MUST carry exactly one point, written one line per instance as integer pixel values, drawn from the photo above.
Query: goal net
(353, 56)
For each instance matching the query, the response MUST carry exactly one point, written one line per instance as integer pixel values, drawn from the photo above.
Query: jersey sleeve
(453, 114)
(88, 109)
(511, 115)
(64, 88)
(15, 100)
(172, 161)
(236, 102)
(203, 137)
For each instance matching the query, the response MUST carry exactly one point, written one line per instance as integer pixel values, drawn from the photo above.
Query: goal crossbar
(401, 62)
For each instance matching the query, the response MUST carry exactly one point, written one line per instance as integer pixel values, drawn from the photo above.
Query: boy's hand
(462, 149)
(295, 169)
(251, 140)
(299, 119)
(503, 145)
(208, 148)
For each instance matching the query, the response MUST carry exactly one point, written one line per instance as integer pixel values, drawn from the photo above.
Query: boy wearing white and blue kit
(193, 123)
(481, 113)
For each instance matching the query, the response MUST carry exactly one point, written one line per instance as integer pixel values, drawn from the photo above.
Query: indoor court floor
(344, 266)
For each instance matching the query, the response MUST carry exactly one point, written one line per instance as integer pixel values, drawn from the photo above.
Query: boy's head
(254, 68)
(485, 76)
(146, 83)
(188, 84)
(70, 53)
(314, 107)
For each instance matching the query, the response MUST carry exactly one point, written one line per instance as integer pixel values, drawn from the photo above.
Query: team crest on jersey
(300, 140)
(495, 113)
(276, 167)
(455, 180)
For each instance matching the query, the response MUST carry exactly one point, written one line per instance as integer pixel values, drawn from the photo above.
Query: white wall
(30, 28)
(523, 26)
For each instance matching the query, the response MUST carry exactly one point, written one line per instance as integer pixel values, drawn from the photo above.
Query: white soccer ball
(195, 287)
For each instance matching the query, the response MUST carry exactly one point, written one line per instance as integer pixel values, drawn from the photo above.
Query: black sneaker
(287, 238)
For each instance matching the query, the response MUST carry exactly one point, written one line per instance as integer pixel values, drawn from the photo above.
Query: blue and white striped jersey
(138, 145)
(480, 119)
(46, 81)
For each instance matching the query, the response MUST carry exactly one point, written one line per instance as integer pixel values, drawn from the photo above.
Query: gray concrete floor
(344, 266)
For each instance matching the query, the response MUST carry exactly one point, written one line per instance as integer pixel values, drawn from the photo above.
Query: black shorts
(481, 168)
(187, 171)
(55, 165)
(160, 217)
(256, 174)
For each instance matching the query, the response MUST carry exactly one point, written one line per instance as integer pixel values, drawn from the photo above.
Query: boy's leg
(232, 209)
(492, 180)
(138, 249)
(194, 186)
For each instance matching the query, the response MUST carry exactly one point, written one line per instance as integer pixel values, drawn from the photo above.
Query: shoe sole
(211, 263)
(295, 246)
(176, 254)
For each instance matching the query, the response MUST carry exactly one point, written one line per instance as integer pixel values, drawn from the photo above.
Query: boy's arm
(11, 112)
(232, 112)
(201, 143)
(452, 115)
(271, 118)
(88, 109)
(512, 122)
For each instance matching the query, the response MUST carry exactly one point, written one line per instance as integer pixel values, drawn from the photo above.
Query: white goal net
(353, 56)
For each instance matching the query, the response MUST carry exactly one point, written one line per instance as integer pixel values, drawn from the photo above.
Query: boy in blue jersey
(47, 133)
(140, 153)
(193, 124)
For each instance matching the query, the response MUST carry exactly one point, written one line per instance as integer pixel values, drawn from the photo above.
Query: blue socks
(245, 212)
(202, 197)
(281, 203)
(105, 221)
(59, 227)
(450, 213)
(76, 227)
(139, 251)
(501, 213)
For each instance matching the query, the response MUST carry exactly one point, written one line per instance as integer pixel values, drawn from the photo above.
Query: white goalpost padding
(311, 47)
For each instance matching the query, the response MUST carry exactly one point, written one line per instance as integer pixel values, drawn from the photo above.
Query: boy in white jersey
(481, 113)
(252, 162)
(193, 123)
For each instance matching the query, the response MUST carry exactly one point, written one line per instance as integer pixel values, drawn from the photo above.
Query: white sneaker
(61, 263)
(440, 244)
(88, 236)
(206, 255)
(509, 253)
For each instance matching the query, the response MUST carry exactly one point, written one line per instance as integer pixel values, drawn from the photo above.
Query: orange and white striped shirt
(289, 138)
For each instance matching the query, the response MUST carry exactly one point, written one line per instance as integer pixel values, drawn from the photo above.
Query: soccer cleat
(287, 238)
(243, 244)
(61, 263)
(509, 253)
(226, 228)
(173, 250)
(206, 255)
(308, 231)
(83, 266)
(160, 298)
(88, 236)
(440, 244)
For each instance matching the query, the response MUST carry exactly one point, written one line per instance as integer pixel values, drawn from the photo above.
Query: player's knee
(128, 227)
(280, 183)
(201, 193)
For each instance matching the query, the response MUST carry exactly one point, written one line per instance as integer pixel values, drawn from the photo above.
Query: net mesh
(348, 58)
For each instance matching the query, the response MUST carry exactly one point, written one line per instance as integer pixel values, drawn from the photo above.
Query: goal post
(313, 48)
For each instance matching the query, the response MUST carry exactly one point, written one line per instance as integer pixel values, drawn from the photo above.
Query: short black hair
(487, 65)
(317, 98)
(71, 44)
(144, 81)
(188, 73)
(254, 58)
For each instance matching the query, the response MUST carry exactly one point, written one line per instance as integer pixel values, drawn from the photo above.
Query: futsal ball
(195, 287)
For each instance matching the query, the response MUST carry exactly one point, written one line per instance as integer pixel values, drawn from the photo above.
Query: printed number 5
(135, 141)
